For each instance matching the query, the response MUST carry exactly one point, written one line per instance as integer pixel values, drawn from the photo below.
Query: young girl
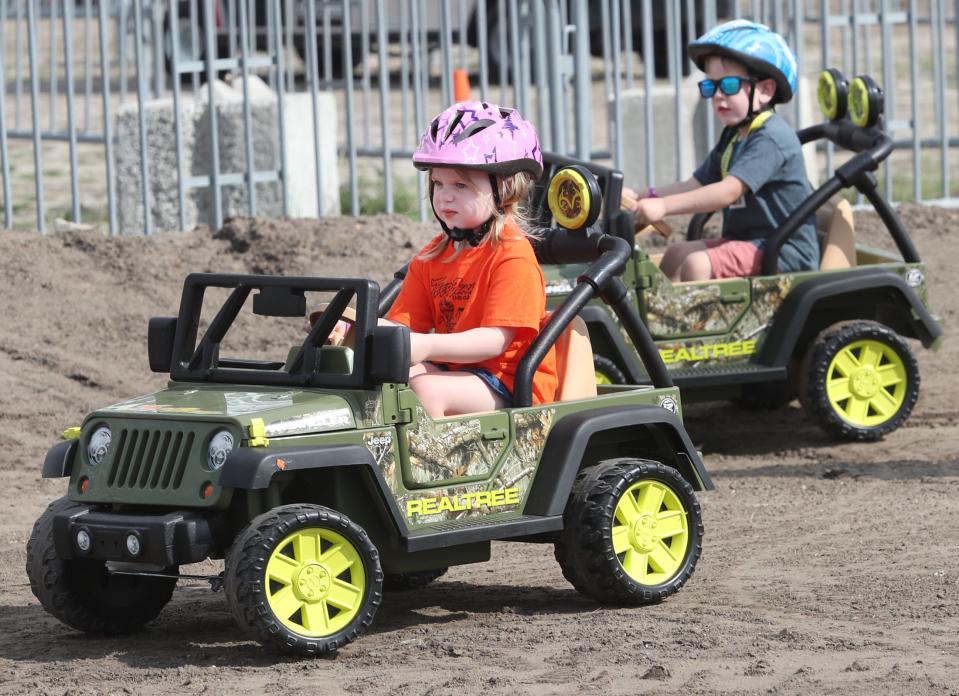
(756, 174)
(474, 297)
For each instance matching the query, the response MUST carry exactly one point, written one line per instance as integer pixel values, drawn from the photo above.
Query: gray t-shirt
(769, 162)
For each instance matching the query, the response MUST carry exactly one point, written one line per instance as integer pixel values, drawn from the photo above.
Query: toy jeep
(836, 337)
(320, 479)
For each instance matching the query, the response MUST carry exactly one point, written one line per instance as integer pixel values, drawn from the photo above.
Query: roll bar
(609, 256)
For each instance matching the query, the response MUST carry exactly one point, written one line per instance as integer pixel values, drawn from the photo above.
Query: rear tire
(859, 380)
(83, 593)
(632, 532)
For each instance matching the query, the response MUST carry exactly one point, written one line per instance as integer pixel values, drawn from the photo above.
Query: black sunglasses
(729, 85)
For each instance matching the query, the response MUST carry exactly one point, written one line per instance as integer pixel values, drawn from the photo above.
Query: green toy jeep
(835, 337)
(315, 472)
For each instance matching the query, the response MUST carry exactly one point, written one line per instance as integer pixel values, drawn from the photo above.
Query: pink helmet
(477, 135)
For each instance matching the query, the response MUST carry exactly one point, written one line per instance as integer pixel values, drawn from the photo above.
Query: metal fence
(78, 73)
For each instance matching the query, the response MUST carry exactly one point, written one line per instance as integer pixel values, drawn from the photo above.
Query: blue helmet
(754, 45)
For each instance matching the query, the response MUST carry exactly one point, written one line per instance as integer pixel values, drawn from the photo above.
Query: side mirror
(388, 355)
(160, 343)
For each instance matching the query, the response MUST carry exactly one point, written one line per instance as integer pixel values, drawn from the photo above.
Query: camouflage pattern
(382, 445)
(373, 411)
(672, 310)
(531, 430)
(707, 311)
(768, 293)
(441, 451)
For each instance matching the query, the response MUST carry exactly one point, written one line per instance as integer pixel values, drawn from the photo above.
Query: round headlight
(221, 445)
(98, 445)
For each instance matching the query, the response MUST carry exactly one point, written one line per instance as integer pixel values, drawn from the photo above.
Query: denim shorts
(492, 381)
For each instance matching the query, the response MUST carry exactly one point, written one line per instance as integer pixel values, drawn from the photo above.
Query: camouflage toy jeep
(320, 479)
(836, 337)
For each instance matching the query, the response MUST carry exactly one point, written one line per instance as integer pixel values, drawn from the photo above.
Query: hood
(284, 411)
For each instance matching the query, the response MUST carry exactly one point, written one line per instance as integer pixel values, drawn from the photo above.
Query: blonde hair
(513, 189)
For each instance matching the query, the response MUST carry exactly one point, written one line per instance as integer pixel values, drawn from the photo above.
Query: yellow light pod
(833, 93)
(865, 101)
(574, 197)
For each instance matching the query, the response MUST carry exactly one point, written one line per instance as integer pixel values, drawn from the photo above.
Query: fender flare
(563, 455)
(59, 459)
(799, 304)
(253, 468)
(600, 322)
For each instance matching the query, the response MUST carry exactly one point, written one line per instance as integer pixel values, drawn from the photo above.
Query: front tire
(303, 579)
(632, 532)
(860, 381)
(83, 593)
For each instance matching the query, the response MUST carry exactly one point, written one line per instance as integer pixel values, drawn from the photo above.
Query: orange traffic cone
(461, 85)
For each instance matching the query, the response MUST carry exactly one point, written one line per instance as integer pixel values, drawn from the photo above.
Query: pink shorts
(733, 258)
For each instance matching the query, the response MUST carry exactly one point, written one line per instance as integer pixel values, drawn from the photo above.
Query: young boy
(755, 175)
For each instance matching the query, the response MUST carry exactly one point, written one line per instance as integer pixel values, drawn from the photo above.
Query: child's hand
(628, 198)
(649, 211)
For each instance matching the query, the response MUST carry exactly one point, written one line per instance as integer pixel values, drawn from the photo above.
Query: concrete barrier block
(301, 158)
(197, 156)
(161, 165)
(231, 133)
(664, 126)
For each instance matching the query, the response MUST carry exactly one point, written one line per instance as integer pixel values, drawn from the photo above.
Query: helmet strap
(751, 114)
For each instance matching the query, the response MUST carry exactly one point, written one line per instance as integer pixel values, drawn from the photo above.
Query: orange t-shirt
(490, 285)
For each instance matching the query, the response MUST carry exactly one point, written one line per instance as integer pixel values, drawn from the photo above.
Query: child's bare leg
(696, 266)
(675, 255)
(451, 393)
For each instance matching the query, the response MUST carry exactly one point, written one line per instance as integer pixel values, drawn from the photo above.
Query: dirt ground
(827, 568)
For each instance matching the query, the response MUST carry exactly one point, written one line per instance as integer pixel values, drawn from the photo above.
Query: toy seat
(838, 245)
(574, 363)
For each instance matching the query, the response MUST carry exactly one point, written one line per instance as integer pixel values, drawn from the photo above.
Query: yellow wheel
(315, 582)
(650, 532)
(632, 532)
(866, 383)
(303, 579)
(860, 380)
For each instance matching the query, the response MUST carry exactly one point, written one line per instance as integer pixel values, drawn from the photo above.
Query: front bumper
(173, 538)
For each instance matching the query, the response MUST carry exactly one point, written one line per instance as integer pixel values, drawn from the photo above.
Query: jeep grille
(150, 457)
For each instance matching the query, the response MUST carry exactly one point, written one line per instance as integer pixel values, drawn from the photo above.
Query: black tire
(586, 550)
(83, 594)
(765, 396)
(872, 409)
(254, 597)
(402, 582)
(607, 371)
